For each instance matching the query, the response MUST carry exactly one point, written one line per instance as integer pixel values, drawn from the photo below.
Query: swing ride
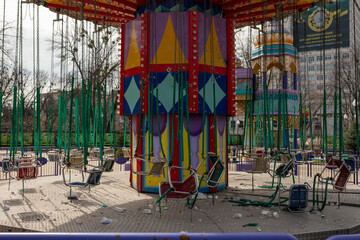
(177, 88)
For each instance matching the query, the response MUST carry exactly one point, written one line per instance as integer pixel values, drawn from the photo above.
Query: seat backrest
(108, 165)
(94, 177)
(216, 174)
(299, 157)
(156, 168)
(260, 165)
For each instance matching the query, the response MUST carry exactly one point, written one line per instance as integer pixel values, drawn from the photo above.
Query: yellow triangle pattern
(166, 51)
(218, 60)
(133, 59)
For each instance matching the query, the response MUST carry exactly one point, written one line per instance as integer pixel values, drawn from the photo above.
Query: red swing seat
(181, 189)
(342, 176)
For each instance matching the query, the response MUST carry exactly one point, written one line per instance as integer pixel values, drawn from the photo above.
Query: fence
(49, 168)
(307, 169)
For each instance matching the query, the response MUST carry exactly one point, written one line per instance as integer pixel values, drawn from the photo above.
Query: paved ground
(44, 207)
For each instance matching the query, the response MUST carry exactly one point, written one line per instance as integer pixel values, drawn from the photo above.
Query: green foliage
(29, 140)
(350, 137)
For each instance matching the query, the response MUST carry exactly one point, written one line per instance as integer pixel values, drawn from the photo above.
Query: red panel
(139, 152)
(212, 143)
(193, 62)
(122, 66)
(213, 69)
(132, 71)
(172, 67)
(144, 60)
(230, 68)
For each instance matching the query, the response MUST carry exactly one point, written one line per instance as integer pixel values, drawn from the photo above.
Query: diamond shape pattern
(209, 93)
(165, 89)
(132, 94)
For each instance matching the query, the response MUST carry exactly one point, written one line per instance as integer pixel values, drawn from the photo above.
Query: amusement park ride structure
(178, 77)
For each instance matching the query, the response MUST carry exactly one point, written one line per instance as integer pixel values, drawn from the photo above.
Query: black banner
(319, 28)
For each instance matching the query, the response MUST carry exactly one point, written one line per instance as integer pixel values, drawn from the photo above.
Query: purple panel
(204, 22)
(128, 27)
(220, 28)
(128, 31)
(243, 73)
(127, 167)
(180, 22)
(157, 28)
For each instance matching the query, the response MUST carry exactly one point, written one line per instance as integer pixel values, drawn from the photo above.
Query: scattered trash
(251, 225)
(120, 210)
(237, 215)
(276, 215)
(150, 206)
(104, 205)
(6, 208)
(78, 221)
(72, 196)
(106, 220)
(200, 196)
(266, 213)
(200, 220)
(196, 208)
(259, 229)
(165, 208)
(147, 211)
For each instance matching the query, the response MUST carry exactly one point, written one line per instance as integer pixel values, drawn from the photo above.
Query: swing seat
(215, 172)
(108, 164)
(180, 189)
(299, 158)
(27, 172)
(342, 175)
(76, 160)
(7, 166)
(298, 197)
(93, 179)
(259, 165)
(154, 165)
(26, 167)
(54, 156)
(351, 163)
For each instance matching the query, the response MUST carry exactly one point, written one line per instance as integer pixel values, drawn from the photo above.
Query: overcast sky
(46, 18)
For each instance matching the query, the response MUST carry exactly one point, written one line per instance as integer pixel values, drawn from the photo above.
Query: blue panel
(148, 236)
(163, 83)
(207, 79)
(132, 94)
(345, 237)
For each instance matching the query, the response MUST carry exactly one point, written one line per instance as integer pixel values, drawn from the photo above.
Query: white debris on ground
(106, 220)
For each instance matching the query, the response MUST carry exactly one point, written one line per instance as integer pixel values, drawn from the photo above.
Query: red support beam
(193, 62)
(144, 59)
(91, 12)
(230, 67)
(270, 13)
(122, 66)
(249, 8)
